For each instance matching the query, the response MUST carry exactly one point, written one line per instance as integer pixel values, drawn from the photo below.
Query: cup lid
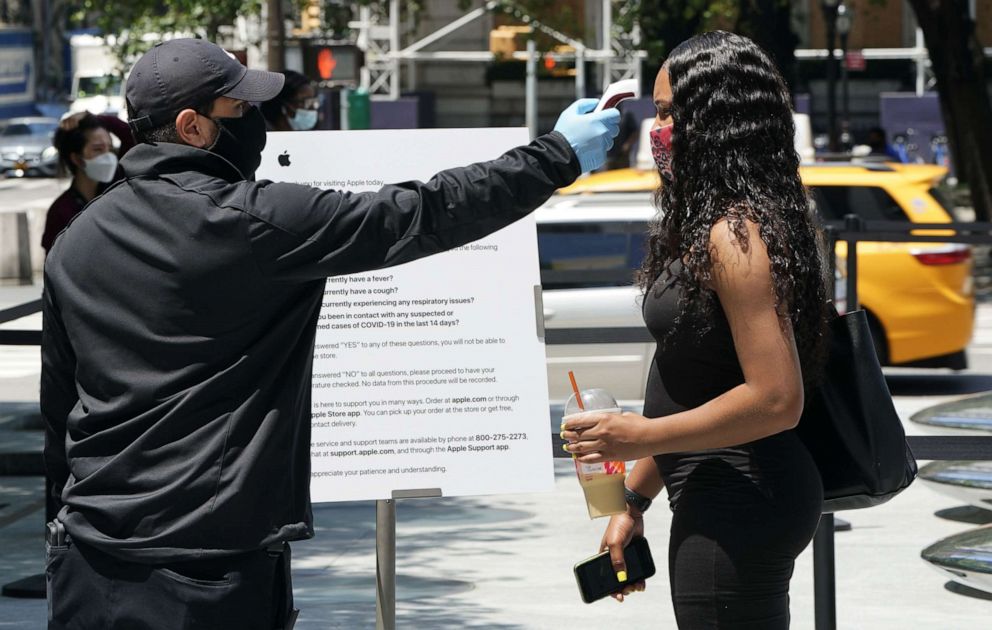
(592, 400)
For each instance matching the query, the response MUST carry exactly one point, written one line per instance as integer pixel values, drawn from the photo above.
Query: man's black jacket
(180, 310)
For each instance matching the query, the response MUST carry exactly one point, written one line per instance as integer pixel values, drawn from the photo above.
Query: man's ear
(78, 161)
(194, 130)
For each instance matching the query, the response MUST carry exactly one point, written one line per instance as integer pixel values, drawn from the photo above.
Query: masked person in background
(180, 313)
(295, 108)
(735, 295)
(86, 152)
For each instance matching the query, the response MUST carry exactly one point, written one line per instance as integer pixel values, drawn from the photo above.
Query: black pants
(733, 548)
(89, 590)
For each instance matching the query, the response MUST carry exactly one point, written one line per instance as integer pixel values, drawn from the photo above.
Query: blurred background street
(893, 120)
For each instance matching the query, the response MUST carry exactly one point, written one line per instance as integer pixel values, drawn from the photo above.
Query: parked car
(26, 147)
(919, 297)
(589, 247)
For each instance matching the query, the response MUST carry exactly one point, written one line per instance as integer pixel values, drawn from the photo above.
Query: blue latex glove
(591, 135)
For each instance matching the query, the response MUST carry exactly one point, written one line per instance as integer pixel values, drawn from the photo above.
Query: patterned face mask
(661, 150)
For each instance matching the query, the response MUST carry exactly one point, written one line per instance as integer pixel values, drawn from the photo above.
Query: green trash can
(359, 109)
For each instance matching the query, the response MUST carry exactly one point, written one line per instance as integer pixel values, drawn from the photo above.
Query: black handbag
(850, 425)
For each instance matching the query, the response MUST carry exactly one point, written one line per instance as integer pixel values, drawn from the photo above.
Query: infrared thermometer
(617, 92)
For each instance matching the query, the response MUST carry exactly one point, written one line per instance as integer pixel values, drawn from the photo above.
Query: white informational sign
(430, 375)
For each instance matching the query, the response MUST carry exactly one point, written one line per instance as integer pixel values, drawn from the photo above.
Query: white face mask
(303, 120)
(102, 168)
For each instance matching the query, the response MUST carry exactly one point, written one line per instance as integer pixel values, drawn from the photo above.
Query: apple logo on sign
(284, 158)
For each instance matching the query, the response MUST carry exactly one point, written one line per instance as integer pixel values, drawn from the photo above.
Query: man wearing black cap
(180, 310)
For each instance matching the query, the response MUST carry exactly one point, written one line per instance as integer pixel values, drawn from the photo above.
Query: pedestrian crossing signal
(326, 63)
(333, 63)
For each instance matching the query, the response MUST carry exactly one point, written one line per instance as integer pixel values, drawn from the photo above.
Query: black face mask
(240, 141)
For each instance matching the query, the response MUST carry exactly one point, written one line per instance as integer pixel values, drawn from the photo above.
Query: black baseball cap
(184, 73)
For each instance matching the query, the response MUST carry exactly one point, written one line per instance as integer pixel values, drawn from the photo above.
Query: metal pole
(345, 123)
(607, 44)
(580, 73)
(831, 15)
(824, 570)
(824, 574)
(830, 235)
(394, 49)
(385, 565)
(531, 107)
(852, 223)
(845, 97)
(46, 19)
(411, 75)
(365, 43)
(639, 72)
(921, 64)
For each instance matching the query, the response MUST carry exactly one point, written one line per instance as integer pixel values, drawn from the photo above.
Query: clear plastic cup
(601, 483)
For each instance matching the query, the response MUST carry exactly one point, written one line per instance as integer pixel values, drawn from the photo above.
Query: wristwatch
(636, 500)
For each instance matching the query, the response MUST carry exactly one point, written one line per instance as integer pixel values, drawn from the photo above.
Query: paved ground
(505, 562)
(32, 196)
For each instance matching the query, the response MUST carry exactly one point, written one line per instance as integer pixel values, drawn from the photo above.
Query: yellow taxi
(919, 296)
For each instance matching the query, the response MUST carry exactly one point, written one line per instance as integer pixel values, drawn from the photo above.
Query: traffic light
(560, 68)
(506, 40)
(310, 17)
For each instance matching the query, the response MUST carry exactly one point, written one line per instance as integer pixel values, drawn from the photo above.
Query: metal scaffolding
(379, 39)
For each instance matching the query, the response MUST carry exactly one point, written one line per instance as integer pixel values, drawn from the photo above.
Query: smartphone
(597, 579)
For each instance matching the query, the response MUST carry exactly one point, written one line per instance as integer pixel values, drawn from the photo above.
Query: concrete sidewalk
(19, 365)
(505, 562)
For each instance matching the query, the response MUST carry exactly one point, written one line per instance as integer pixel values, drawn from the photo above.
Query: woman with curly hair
(735, 295)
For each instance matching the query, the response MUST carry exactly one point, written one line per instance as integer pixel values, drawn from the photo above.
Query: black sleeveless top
(689, 370)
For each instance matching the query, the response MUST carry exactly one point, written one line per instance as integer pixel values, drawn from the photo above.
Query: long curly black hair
(734, 158)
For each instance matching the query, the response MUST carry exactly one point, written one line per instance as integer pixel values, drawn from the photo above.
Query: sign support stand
(385, 564)
(385, 554)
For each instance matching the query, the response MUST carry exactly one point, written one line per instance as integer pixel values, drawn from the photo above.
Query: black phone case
(637, 549)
